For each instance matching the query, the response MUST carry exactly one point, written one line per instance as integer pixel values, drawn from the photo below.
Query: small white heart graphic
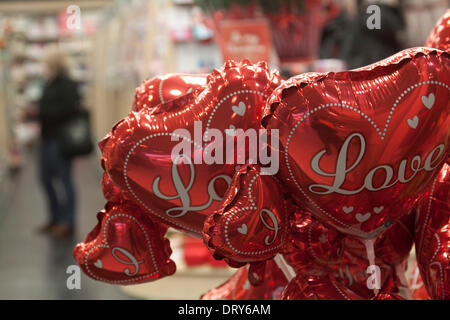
(231, 131)
(347, 209)
(243, 229)
(413, 122)
(428, 101)
(246, 285)
(378, 209)
(363, 217)
(323, 238)
(239, 109)
(98, 264)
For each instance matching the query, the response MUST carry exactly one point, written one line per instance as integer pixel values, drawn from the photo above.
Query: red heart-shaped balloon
(252, 223)
(150, 94)
(433, 236)
(317, 288)
(314, 249)
(162, 89)
(182, 191)
(388, 296)
(359, 148)
(110, 191)
(439, 37)
(125, 247)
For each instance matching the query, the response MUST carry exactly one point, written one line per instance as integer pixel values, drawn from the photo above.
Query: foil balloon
(110, 191)
(151, 93)
(251, 224)
(317, 288)
(315, 249)
(433, 236)
(359, 148)
(391, 247)
(238, 287)
(126, 247)
(162, 89)
(311, 246)
(168, 158)
(440, 35)
(388, 296)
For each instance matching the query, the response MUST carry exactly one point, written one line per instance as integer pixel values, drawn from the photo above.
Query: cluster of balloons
(364, 174)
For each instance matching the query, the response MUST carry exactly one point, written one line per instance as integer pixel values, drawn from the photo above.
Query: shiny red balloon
(359, 148)
(150, 94)
(183, 190)
(110, 191)
(162, 89)
(388, 296)
(312, 247)
(238, 287)
(439, 37)
(392, 247)
(252, 223)
(126, 247)
(317, 288)
(327, 288)
(315, 249)
(433, 236)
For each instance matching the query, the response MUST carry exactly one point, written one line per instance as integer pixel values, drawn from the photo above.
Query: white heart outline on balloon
(286, 149)
(252, 206)
(127, 158)
(106, 245)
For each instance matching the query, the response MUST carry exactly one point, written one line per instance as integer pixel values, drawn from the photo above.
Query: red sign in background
(247, 39)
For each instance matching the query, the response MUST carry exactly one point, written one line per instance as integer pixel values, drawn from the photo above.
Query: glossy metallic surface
(252, 223)
(433, 236)
(137, 153)
(359, 148)
(126, 247)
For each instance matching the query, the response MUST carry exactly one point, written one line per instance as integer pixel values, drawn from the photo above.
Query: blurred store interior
(118, 44)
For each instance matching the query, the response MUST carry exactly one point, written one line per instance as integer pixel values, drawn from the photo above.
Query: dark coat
(60, 102)
(364, 46)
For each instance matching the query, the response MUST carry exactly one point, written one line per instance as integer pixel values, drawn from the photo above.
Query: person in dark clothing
(60, 101)
(334, 32)
(364, 46)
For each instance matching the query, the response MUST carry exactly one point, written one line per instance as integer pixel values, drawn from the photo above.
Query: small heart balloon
(169, 159)
(433, 236)
(126, 247)
(439, 37)
(359, 148)
(161, 89)
(251, 224)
